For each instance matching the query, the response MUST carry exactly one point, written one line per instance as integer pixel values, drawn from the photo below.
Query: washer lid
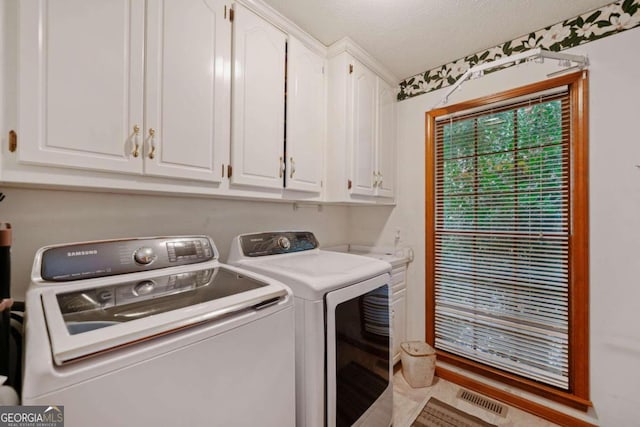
(311, 274)
(91, 318)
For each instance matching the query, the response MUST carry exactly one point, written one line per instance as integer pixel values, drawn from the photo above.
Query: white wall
(614, 110)
(615, 228)
(44, 217)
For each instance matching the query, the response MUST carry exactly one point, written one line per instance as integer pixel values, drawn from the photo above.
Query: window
(506, 237)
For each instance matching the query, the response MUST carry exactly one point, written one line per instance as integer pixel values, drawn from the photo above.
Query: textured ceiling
(411, 36)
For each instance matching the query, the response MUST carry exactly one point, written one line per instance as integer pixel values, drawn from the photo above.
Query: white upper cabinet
(257, 149)
(187, 109)
(81, 83)
(361, 128)
(364, 93)
(374, 134)
(89, 101)
(198, 97)
(386, 144)
(305, 118)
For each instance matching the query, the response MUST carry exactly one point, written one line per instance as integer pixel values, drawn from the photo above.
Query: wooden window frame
(578, 394)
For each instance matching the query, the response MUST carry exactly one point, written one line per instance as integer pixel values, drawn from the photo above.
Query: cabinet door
(386, 147)
(398, 322)
(364, 129)
(257, 149)
(305, 117)
(81, 85)
(187, 110)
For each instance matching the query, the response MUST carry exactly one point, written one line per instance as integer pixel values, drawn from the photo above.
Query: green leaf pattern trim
(596, 24)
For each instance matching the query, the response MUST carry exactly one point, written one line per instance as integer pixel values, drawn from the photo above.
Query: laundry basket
(418, 363)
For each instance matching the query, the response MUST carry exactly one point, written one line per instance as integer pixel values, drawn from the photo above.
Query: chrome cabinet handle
(152, 144)
(281, 167)
(135, 152)
(293, 167)
(379, 179)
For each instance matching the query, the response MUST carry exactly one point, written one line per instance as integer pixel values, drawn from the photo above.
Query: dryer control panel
(278, 242)
(110, 257)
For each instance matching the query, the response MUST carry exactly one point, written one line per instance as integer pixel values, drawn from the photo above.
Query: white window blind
(501, 237)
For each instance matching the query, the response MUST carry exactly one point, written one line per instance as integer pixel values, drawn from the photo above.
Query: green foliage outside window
(504, 168)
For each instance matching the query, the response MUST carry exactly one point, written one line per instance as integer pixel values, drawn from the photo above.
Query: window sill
(548, 392)
(539, 406)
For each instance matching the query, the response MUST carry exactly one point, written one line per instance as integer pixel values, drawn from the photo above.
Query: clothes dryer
(343, 360)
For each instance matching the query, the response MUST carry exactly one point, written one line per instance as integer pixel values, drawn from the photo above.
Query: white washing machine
(157, 332)
(343, 361)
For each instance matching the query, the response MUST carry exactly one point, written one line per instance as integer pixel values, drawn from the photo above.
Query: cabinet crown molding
(285, 24)
(346, 44)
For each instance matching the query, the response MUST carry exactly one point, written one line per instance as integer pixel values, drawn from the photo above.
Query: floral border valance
(608, 20)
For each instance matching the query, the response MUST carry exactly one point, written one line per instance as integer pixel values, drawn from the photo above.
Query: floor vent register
(482, 402)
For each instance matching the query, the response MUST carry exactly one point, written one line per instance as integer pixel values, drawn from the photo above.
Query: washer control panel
(110, 257)
(274, 243)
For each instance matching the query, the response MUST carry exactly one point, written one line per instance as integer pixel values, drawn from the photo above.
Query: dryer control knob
(144, 255)
(284, 243)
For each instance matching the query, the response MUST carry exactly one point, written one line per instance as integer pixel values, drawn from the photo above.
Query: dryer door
(359, 369)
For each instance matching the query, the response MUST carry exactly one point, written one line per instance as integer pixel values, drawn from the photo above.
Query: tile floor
(408, 402)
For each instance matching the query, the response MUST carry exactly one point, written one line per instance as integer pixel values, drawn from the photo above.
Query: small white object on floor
(418, 363)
